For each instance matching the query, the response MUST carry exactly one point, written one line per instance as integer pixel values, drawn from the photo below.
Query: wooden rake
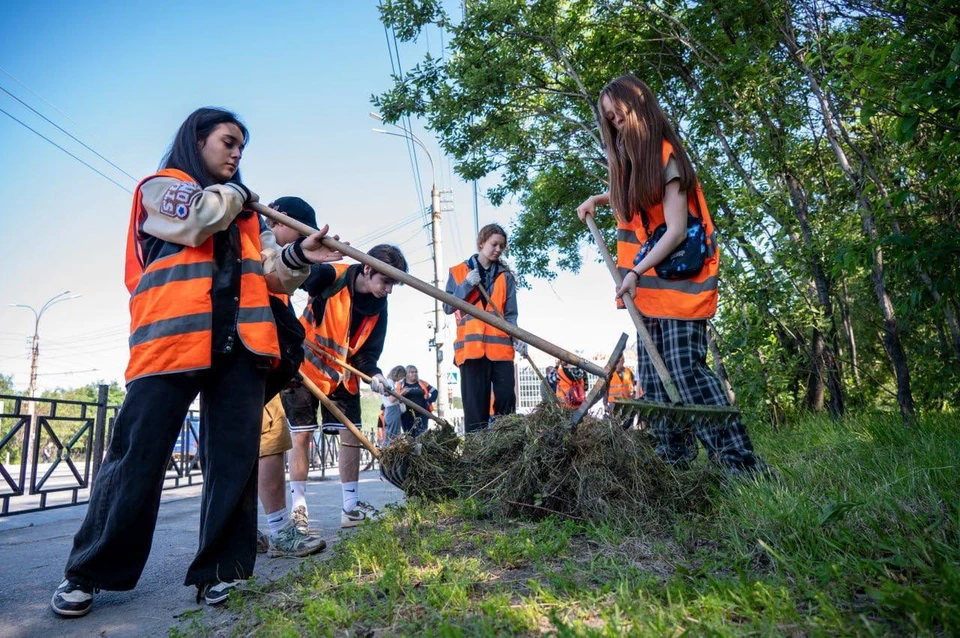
(450, 300)
(366, 378)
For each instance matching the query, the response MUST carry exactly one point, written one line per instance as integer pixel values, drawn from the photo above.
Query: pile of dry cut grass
(539, 465)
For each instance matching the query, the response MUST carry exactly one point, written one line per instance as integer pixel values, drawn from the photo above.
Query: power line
(405, 126)
(68, 134)
(388, 231)
(34, 93)
(95, 170)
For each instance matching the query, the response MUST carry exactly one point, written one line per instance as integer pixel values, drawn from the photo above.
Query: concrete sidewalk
(34, 549)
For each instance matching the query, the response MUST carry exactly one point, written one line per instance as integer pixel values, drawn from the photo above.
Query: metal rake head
(677, 416)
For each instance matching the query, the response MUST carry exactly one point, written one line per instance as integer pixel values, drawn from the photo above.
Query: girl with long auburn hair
(199, 269)
(652, 182)
(483, 353)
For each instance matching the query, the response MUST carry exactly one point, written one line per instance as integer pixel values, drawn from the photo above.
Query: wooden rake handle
(526, 355)
(634, 312)
(365, 377)
(432, 291)
(337, 412)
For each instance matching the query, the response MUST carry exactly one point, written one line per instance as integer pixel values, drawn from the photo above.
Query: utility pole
(35, 344)
(437, 329)
(34, 356)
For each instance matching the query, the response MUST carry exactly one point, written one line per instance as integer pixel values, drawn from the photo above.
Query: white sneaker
(364, 511)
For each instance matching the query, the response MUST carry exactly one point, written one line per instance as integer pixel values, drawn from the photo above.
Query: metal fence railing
(50, 450)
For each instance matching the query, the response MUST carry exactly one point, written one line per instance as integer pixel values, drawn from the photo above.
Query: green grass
(859, 535)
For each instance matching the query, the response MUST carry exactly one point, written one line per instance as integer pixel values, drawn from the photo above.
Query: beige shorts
(274, 433)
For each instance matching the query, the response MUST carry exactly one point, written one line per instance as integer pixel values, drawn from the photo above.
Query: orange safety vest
(171, 311)
(564, 383)
(621, 386)
(333, 336)
(477, 339)
(694, 298)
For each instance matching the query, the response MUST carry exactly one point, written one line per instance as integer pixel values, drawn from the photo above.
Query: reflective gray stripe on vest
(251, 266)
(651, 282)
(330, 343)
(255, 315)
(321, 365)
(627, 236)
(180, 272)
(500, 341)
(170, 327)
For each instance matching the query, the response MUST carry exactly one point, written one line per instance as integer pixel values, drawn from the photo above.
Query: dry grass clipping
(538, 465)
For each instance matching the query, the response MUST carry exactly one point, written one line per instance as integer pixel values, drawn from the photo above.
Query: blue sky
(122, 76)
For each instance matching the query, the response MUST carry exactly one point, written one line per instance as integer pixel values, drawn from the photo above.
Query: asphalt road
(34, 549)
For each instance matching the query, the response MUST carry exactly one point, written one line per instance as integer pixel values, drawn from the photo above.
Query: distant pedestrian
(415, 389)
(393, 409)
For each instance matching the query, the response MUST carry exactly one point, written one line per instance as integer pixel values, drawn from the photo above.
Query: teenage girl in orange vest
(199, 268)
(483, 353)
(652, 182)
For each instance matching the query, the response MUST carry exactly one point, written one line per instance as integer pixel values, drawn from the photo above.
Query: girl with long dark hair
(653, 183)
(483, 353)
(199, 269)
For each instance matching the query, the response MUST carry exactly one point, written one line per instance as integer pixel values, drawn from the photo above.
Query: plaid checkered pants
(683, 346)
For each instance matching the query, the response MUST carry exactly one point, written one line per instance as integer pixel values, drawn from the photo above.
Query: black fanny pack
(687, 260)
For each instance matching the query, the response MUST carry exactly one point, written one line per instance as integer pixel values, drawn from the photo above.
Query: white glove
(520, 347)
(378, 384)
(473, 277)
(403, 407)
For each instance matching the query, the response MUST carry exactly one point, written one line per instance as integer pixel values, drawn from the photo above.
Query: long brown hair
(635, 153)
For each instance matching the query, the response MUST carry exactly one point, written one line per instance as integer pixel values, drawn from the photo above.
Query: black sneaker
(215, 593)
(72, 599)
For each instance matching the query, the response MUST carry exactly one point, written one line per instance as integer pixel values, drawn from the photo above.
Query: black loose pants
(112, 545)
(476, 378)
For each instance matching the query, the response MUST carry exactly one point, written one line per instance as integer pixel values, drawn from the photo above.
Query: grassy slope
(859, 535)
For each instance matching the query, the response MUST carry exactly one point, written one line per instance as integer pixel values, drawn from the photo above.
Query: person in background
(393, 409)
(420, 392)
(484, 353)
(570, 384)
(622, 383)
(551, 387)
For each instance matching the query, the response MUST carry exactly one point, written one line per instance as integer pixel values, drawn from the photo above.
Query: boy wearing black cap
(284, 537)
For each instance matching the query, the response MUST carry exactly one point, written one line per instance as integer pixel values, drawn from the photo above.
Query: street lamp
(35, 348)
(437, 258)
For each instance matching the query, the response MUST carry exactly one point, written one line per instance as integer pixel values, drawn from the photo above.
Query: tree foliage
(825, 133)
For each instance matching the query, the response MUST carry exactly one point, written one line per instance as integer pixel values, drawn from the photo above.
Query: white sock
(277, 520)
(350, 496)
(298, 494)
